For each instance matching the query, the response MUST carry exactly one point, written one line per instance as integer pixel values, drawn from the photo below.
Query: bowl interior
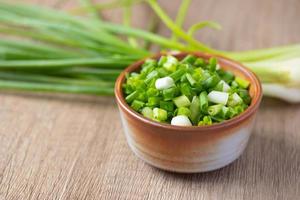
(236, 68)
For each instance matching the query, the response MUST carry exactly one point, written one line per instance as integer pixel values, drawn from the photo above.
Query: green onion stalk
(46, 50)
(278, 68)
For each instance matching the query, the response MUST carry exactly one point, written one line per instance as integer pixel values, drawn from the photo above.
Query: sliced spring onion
(167, 105)
(184, 111)
(242, 82)
(164, 83)
(147, 112)
(137, 105)
(205, 121)
(181, 101)
(160, 114)
(181, 120)
(234, 100)
(195, 109)
(223, 86)
(215, 109)
(203, 102)
(218, 97)
(170, 64)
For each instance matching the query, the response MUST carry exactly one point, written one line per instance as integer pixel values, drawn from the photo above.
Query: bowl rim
(256, 99)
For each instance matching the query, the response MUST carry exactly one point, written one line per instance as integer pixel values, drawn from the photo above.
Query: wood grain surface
(73, 147)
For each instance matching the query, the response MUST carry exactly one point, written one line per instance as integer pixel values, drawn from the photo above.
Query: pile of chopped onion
(187, 92)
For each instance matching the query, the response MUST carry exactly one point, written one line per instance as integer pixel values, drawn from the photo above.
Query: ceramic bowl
(189, 149)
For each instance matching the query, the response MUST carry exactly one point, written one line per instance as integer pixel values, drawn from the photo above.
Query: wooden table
(72, 147)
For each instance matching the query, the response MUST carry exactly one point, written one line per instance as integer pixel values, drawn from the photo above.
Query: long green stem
(38, 48)
(45, 13)
(181, 15)
(60, 21)
(262, 54)
(177, 30)
(91, 8)
(56, 88)
(48, 38)
(8, 53)
(101, 73)
(127, 21)
(152, 28)
(18, 76)
(79, 47)
(64, 63)
(269, 75)
(70, 31)
(105, 6)
(202, 25)
(164, 42)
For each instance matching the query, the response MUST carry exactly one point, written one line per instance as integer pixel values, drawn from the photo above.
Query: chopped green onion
(170, 64)
(186, 90)
(169, 94)
(239, 109)
(234, 100)
(162, 61)
(162, 72)
(234, 84)
(181, 101)
(242, 82)
(131, 97)
(195, 109)
(152, 92)
(160, 114)
(200, 62)
(215, 109)
(225, 112)
(164, 83)
(211, 82)
(203, 101)
(184, 111)
(190, 59)
(218, 97)
(147, 112)
(190, 79)
(137, 105)
(205, 121)
(213, 64)
(181, 120)
(227, 76)
(151, 76)
(167, 105)
(177, 74)
(244, 94)
(222, 86)
(153, 101)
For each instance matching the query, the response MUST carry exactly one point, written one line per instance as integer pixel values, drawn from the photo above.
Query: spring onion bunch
(278, 68)
(43, 49)
(187, 92)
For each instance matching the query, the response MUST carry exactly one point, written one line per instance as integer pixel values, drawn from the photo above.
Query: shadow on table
(265, 160)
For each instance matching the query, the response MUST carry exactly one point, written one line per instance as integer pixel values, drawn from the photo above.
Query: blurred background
(246, 24)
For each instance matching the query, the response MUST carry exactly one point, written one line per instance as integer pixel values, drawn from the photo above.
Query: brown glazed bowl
(189, 149)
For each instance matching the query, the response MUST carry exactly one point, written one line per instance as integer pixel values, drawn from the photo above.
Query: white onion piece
(164, 83)
(226, 87)
(181, 120)
(218, 97)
